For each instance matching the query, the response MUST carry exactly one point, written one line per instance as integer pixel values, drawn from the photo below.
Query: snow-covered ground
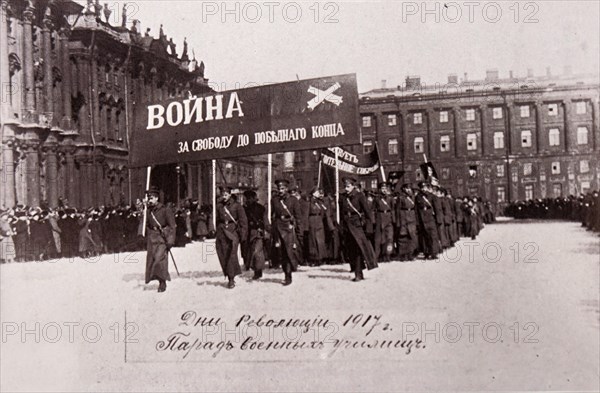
(517, 309)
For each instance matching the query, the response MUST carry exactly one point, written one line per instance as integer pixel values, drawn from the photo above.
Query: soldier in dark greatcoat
(354, 212)
(160, 236)
(232, 227)
(406, 224)
(385, 220)
(258, 228)
(315, 217)
(428, 227)
(285, 230)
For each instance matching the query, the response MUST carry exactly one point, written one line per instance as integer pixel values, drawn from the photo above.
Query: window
(445, 143)
(556, 168)
(473, 171)
(580, 107)
(582, 135)
(445, 173)
(444, 117)
(557, 189)
(393, 147)
(367, 147)
(497, 112)
(500, 170)
(366, 121)
(392, 121)
(584, 166)
(419, 145)
(585, 186)
(471, 142)
(552, 109)
(418, 118)
(374, 184)
(527, 169)
(470, 114)
(501, 194)
(554, 137)
(526, 138)
(529, 192)
(524, 110)
(498, 140)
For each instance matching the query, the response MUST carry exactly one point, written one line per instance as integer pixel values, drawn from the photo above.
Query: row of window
(497, 113)
(526, 141)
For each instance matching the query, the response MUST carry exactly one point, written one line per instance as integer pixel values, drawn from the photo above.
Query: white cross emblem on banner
(324, 95)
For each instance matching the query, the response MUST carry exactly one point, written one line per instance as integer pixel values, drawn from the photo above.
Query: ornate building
(71, 84)
(503, 139)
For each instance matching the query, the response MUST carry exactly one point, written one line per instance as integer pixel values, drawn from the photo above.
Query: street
(515, 309)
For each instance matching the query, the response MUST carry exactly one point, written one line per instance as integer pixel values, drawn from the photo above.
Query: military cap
(349, 180)
(224, 189)
(423, 184)
(153, 191)
(284, 182)
(406, 185)
(384, 184)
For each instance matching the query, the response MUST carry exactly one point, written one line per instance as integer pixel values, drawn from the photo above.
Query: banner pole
(214, 193)
(425, 157)
(269, 183)
(337, 188)
(319, 173)
(148, 173)
(380, 163)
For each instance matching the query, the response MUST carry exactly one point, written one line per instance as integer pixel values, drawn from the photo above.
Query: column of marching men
(396, 222)
(584, 208)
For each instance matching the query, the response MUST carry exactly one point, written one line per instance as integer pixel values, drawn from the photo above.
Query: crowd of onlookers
(585, 209)
(41, 233)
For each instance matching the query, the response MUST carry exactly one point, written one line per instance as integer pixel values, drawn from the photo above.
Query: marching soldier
(428, 228)
(160, 237)
(286, 230)
(406, 224)
(438, 208)
(357, 248)
(385, 221)
(316, 215)
(258, 221)
(232, 226)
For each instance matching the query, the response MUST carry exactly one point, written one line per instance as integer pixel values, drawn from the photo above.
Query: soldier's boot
(257, 275)
(162, 285)
(288, 279)
(231, 283)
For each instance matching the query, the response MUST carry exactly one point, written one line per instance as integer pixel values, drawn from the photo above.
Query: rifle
(162, 234)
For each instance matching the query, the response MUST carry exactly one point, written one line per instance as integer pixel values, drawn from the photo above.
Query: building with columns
(502, 139)
(72, 80)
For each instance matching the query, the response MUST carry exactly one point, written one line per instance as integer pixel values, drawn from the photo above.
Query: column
(4, 65)
(50, 150)
(84, 182)
(8, 169)
(28, 76)
(65, 123)
(32, 172)
(70, 175)
(47, 56)
(95, 105)
(83, 69)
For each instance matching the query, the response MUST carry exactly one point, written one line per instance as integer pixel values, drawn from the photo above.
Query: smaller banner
(429, 173)
(357, 164)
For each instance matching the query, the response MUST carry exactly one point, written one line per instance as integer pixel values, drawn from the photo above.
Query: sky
(249, 43)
